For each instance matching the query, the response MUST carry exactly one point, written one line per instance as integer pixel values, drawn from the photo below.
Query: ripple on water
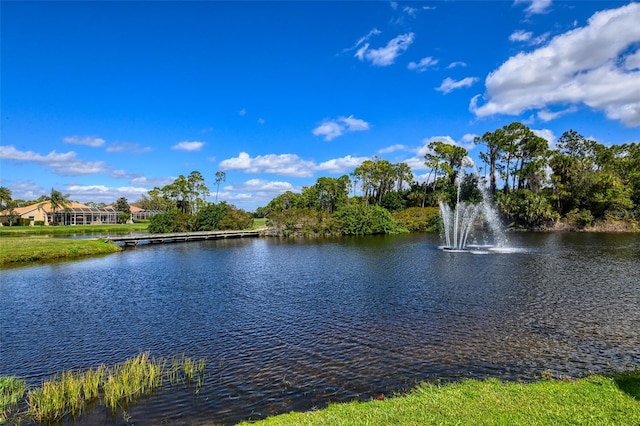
(292, 325)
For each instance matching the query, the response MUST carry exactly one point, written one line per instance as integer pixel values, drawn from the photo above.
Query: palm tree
(5, 197)
(58, 201)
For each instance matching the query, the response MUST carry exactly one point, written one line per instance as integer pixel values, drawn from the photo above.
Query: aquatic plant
(11, 393)
(185, 370)
(66, 394)
(70, 393)
(131, 379)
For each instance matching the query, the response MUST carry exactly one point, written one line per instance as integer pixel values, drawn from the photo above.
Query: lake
(296, 324)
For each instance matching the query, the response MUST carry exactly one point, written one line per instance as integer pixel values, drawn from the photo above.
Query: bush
(301, 222)
(167, 222)
(393, 201)
(222, 216)
(209, 217)
(235, 218)
(356, 219)
(580, 218)
(419, 219)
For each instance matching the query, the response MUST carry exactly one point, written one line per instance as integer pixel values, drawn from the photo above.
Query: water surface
(295, 324)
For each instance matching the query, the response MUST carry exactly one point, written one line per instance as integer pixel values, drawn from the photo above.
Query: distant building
(140, 214)
(73, 214)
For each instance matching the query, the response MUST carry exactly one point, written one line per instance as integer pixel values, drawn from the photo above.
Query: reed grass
(185, 370)
(12, 392)
(69, 393)
(66, 394)
(131, 379)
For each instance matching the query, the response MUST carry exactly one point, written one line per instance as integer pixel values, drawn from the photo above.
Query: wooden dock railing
(129, 240)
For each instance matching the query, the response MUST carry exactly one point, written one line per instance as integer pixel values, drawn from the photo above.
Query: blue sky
(108, 99)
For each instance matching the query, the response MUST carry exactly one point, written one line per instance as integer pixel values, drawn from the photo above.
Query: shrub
(222, 216)
(298, 222)
(209, 217)
(356, 219)
(173, 221)
(419, 219)
(235, 218)
(580, 218)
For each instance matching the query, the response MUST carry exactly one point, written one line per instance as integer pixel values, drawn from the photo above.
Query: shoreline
(25, 248)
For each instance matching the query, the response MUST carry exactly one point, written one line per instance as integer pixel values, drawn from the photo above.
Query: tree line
(578, 183)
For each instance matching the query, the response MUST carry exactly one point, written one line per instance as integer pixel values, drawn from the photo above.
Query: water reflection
(290, 325)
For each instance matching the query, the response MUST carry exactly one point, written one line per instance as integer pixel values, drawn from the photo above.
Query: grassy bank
(595, 400)
(22, 231)
(16, 250)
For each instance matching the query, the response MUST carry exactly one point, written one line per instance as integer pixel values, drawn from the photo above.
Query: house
(139, 214)
(73, 214)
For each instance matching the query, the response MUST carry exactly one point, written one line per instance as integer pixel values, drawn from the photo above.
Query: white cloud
(448, 84)
(24, 190)
(87, 141)
(131, 148)
(331, 129)
(188, 146)
(411, 11)
(521, 35)
(283, 164)
(387, 55)
(392, 148)
(527, 36)
(261, 121)
(288, 164)
(340, 165)
(64, 164)
(632, 62)
(363, 39)
(122, 174)
(456, 64)
(536, 7)
(546, 134)
(147, 181)
(354, 124)
(423, 64)
(546, 115)
(586, 65)
(104, 194)
(468, 141)
(242, 112)
(260, 185)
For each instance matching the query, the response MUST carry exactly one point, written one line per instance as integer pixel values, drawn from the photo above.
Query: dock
(132, 240)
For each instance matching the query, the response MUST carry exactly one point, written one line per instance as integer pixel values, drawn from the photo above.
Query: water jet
(459, 222)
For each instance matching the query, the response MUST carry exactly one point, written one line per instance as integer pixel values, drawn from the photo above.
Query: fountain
(459, 222)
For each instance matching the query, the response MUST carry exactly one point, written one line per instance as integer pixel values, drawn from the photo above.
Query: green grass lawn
(22, 244)
(595, 400)
(18, 231)
(260, 222)
(17, 250)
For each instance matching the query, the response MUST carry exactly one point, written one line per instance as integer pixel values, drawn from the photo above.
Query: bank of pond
(68, 397)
